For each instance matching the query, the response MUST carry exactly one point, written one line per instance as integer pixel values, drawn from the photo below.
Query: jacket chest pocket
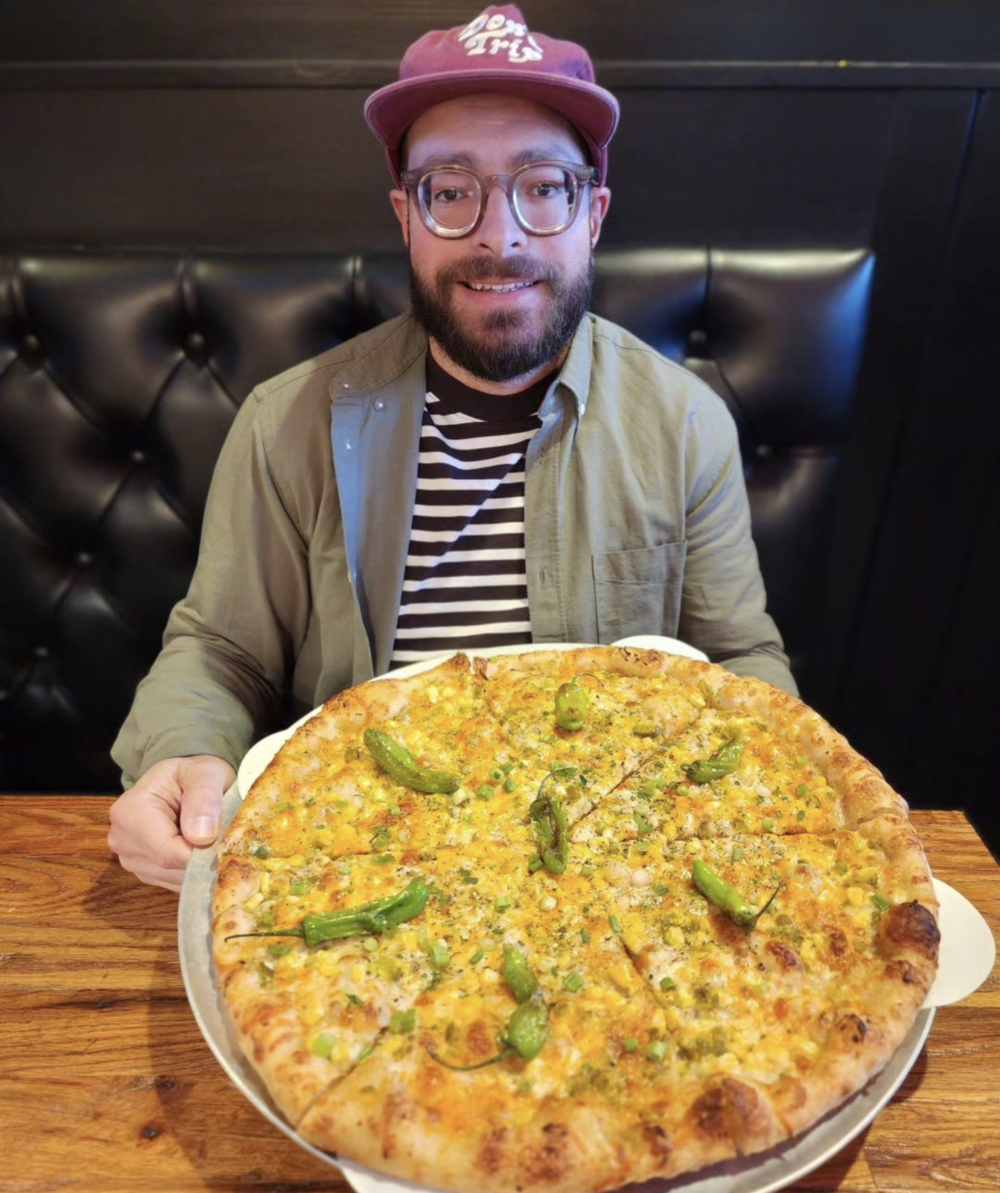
(639, 591)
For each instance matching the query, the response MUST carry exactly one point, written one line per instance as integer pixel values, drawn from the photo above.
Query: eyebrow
(538, 153)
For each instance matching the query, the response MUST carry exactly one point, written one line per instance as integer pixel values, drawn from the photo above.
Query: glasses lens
(545, 197)
(450, 198)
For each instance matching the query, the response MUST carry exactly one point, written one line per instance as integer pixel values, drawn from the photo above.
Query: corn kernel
(855, 896)
(621, 975)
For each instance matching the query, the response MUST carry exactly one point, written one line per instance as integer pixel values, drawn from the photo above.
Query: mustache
(473, 268)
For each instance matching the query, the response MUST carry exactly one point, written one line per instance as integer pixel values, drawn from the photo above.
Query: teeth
(500, 289)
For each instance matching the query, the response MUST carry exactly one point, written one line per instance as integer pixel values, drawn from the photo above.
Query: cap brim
(391, 110)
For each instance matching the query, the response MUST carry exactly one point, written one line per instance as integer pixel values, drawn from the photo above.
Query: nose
(498, 230)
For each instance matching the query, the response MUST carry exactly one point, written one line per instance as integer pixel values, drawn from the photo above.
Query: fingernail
(203, 826)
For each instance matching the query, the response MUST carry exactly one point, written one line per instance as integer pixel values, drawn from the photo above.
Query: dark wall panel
(682, 30)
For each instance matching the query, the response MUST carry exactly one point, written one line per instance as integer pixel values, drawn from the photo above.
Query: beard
(502, 345)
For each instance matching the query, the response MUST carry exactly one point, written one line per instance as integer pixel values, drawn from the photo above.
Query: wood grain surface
(107, 1085)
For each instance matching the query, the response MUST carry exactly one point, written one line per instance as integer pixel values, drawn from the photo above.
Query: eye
(446, 194)
(548, 190)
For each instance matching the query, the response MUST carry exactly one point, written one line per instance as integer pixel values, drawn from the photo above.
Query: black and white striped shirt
(465, 582)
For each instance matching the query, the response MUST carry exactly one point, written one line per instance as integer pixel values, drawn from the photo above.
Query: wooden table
(106, 1083)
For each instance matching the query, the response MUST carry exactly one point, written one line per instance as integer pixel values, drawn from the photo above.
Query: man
(505, 467)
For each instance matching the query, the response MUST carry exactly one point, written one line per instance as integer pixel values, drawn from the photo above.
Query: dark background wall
(797, 123)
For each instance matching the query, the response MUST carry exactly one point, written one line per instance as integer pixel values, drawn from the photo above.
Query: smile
(503, 289)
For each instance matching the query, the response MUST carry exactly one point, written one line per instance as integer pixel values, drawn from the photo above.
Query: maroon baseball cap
(495, 52)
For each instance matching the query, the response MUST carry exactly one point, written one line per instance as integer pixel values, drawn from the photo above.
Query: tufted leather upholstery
(120, 374)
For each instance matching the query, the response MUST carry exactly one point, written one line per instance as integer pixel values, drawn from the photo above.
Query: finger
(150, 870)
(144, 829)
(201, 809)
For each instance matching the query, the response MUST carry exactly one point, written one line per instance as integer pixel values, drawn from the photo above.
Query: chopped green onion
(370, 945)
(657, 1050)
(615, 923)
(768, 825)
(403, 1021)
(504, 902)
(440, 957)
(660, 888)
(737, 852)
(881, 903)
(262, 851)
(802, 814)
(631, 1044)
(573, 981)
(668, 984)
(476, 957)
(510, 785)
(585, 936)
(484, 791)
(322, 1046)
(802, 789)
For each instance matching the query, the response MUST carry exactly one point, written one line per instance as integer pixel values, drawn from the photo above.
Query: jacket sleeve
(724, 604)
(230, 643)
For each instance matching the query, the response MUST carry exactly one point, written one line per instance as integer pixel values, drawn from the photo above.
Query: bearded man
(496, 467)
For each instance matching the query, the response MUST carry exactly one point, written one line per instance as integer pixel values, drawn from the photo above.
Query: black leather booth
(120, 374)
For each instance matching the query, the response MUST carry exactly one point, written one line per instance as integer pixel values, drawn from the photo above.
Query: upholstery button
(194, 344)
(84, 559)
(31, 345)
(379, 403)
(137, 457)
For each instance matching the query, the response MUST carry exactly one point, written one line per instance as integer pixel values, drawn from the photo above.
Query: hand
(173, 807)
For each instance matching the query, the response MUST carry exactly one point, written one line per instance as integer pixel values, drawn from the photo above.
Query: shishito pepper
(723, 762)
(399, 764)
(572, 702)
(727, 898)
(370, 919)
(528, 1027)
(551, 830)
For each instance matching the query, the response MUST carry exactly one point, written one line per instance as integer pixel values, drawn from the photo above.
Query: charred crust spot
(912, 926)
(494, 1150)
(902, 970)
(660, 1147)
(728, 1110)
(784, 954)
(550, 1162)
(852, 1029)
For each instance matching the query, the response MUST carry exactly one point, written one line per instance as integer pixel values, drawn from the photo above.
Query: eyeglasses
(543, 196)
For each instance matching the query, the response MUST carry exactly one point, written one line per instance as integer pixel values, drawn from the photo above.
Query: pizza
(564, 920)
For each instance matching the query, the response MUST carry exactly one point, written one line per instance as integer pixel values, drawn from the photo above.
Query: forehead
(491, 129)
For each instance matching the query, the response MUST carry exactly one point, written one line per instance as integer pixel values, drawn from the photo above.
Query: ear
(401, 207)
(600, 200)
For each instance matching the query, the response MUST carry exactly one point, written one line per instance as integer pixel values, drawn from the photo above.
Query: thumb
(203, 782)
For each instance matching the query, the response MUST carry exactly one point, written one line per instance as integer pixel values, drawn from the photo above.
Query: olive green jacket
(636, 522)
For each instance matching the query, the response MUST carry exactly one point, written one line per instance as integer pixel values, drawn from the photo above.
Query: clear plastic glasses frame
(465, 192)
